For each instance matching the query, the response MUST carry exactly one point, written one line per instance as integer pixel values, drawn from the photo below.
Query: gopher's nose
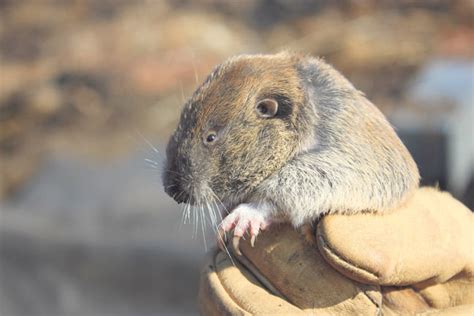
(174, 188)
(180, 196)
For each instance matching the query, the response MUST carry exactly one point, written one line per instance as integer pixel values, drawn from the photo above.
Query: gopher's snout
(174, 188)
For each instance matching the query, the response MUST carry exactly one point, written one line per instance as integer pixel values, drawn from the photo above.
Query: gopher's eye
(211, 137)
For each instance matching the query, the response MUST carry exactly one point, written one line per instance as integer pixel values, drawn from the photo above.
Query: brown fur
(231, 98)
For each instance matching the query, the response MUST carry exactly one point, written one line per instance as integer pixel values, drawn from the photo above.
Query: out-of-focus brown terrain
(85, 229)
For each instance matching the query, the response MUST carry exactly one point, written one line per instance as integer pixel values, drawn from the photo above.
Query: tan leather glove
(418, 259)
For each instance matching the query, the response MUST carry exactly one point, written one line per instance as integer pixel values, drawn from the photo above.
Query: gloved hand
(418, 259)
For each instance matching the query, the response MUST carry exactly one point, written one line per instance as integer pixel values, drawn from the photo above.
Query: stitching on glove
(249, 266)
(339, 263)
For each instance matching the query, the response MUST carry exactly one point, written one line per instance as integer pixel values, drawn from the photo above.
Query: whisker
(214, 209)
(220, 202)
(196, 221)
(211, 213)
(196, 77)
(148, 143)
(152, 162)
(188, 213)
(154, 169)
(183, 98)
(181, 222)
(203, 223)
(153, 148)
(221, 240)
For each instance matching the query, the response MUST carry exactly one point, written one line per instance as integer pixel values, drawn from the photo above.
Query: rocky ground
(85, 228)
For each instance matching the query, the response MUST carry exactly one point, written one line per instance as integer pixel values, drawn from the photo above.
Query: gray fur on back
(351, 161)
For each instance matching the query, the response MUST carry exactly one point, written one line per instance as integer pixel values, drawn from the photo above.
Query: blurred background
(85, 228)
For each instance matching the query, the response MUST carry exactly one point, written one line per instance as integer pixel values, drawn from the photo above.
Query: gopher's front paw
(244, 217)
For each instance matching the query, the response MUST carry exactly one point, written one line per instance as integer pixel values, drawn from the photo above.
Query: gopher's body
(320, 146)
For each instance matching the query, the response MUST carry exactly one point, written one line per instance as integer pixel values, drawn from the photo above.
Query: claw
(235, 244)
(252, 240)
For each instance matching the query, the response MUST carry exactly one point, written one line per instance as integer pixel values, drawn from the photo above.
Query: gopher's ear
(320, 79)
(267, 108)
